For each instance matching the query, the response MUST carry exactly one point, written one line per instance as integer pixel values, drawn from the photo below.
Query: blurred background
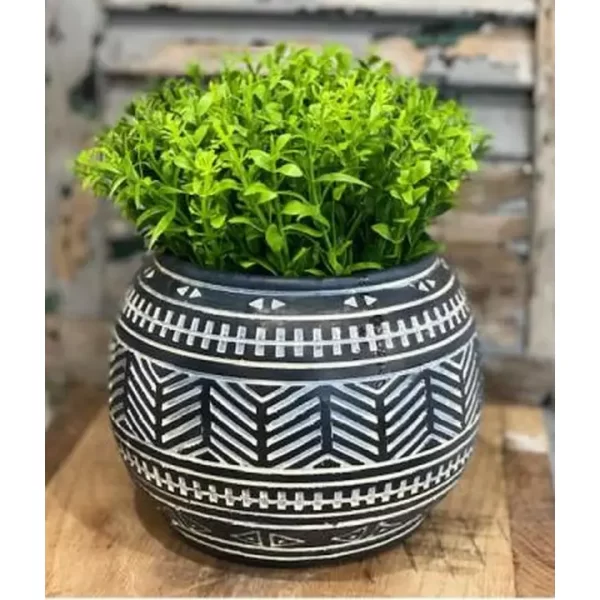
(495, 56)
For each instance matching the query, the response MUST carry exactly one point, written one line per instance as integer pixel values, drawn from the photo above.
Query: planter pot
(291, 422)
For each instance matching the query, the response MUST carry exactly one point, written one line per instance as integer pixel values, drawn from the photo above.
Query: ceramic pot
(294, 421)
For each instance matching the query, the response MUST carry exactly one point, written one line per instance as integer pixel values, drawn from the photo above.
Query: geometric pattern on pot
(287, 422)
(315, 425)
(289, 333)
(294, 517)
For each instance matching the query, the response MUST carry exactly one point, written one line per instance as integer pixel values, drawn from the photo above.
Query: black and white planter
(290, 422)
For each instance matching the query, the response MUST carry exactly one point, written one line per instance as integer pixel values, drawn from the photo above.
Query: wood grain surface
(530, 501)
(492, 535)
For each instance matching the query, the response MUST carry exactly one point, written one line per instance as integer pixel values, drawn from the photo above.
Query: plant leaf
(425, 247)
(305, 229)
(452, 184)
(118, 183)
(261, 159)
(225, 185)
(240, 220)
(383, 230)
(200, 134)
(297, 208)
(471, 165)
(148, 214)
(342, 178)
(408, 197)
(365, 266)
(282, 141)
(420, 192)
(264, 264)
(162, 225)
(290, 170)
(412, 215)
(333, 262)
(338, 191)
(204, 104)
(274, 238)
(266, 194)
(299, 255)
(420, 171)
(217, 221)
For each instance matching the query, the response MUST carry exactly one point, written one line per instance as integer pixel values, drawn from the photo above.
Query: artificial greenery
(299, 163)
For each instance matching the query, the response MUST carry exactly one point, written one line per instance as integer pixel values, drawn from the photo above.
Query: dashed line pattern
(187, 486)
(225, 338)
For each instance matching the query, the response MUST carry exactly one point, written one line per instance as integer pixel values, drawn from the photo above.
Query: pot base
(297, 558)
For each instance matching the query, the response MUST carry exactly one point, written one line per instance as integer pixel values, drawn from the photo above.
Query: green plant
(299, 163)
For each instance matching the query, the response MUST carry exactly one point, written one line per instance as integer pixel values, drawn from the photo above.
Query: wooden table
(493, 535)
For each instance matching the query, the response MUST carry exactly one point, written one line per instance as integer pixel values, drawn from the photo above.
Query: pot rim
(183, 268)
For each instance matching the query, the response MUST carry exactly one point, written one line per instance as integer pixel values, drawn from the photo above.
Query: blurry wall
(72, 29)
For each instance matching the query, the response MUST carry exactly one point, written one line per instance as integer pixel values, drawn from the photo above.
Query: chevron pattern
(294, 429)
(296, 426)
(156, 404)
(469, 378)
(179, 413)
(354, 435)
(233, 429)
(406, 417)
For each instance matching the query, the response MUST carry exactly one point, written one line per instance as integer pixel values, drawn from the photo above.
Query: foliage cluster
(299, 163)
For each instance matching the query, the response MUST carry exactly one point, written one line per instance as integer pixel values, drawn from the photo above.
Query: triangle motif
(327, 463)
(280, 541)
(259, 303)
(385, 527)
(249, 537)
(375, 384)
(263, 390)
(162, 373)
(192, 524)
(351, 302)
(352, 536)
(207, 454)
